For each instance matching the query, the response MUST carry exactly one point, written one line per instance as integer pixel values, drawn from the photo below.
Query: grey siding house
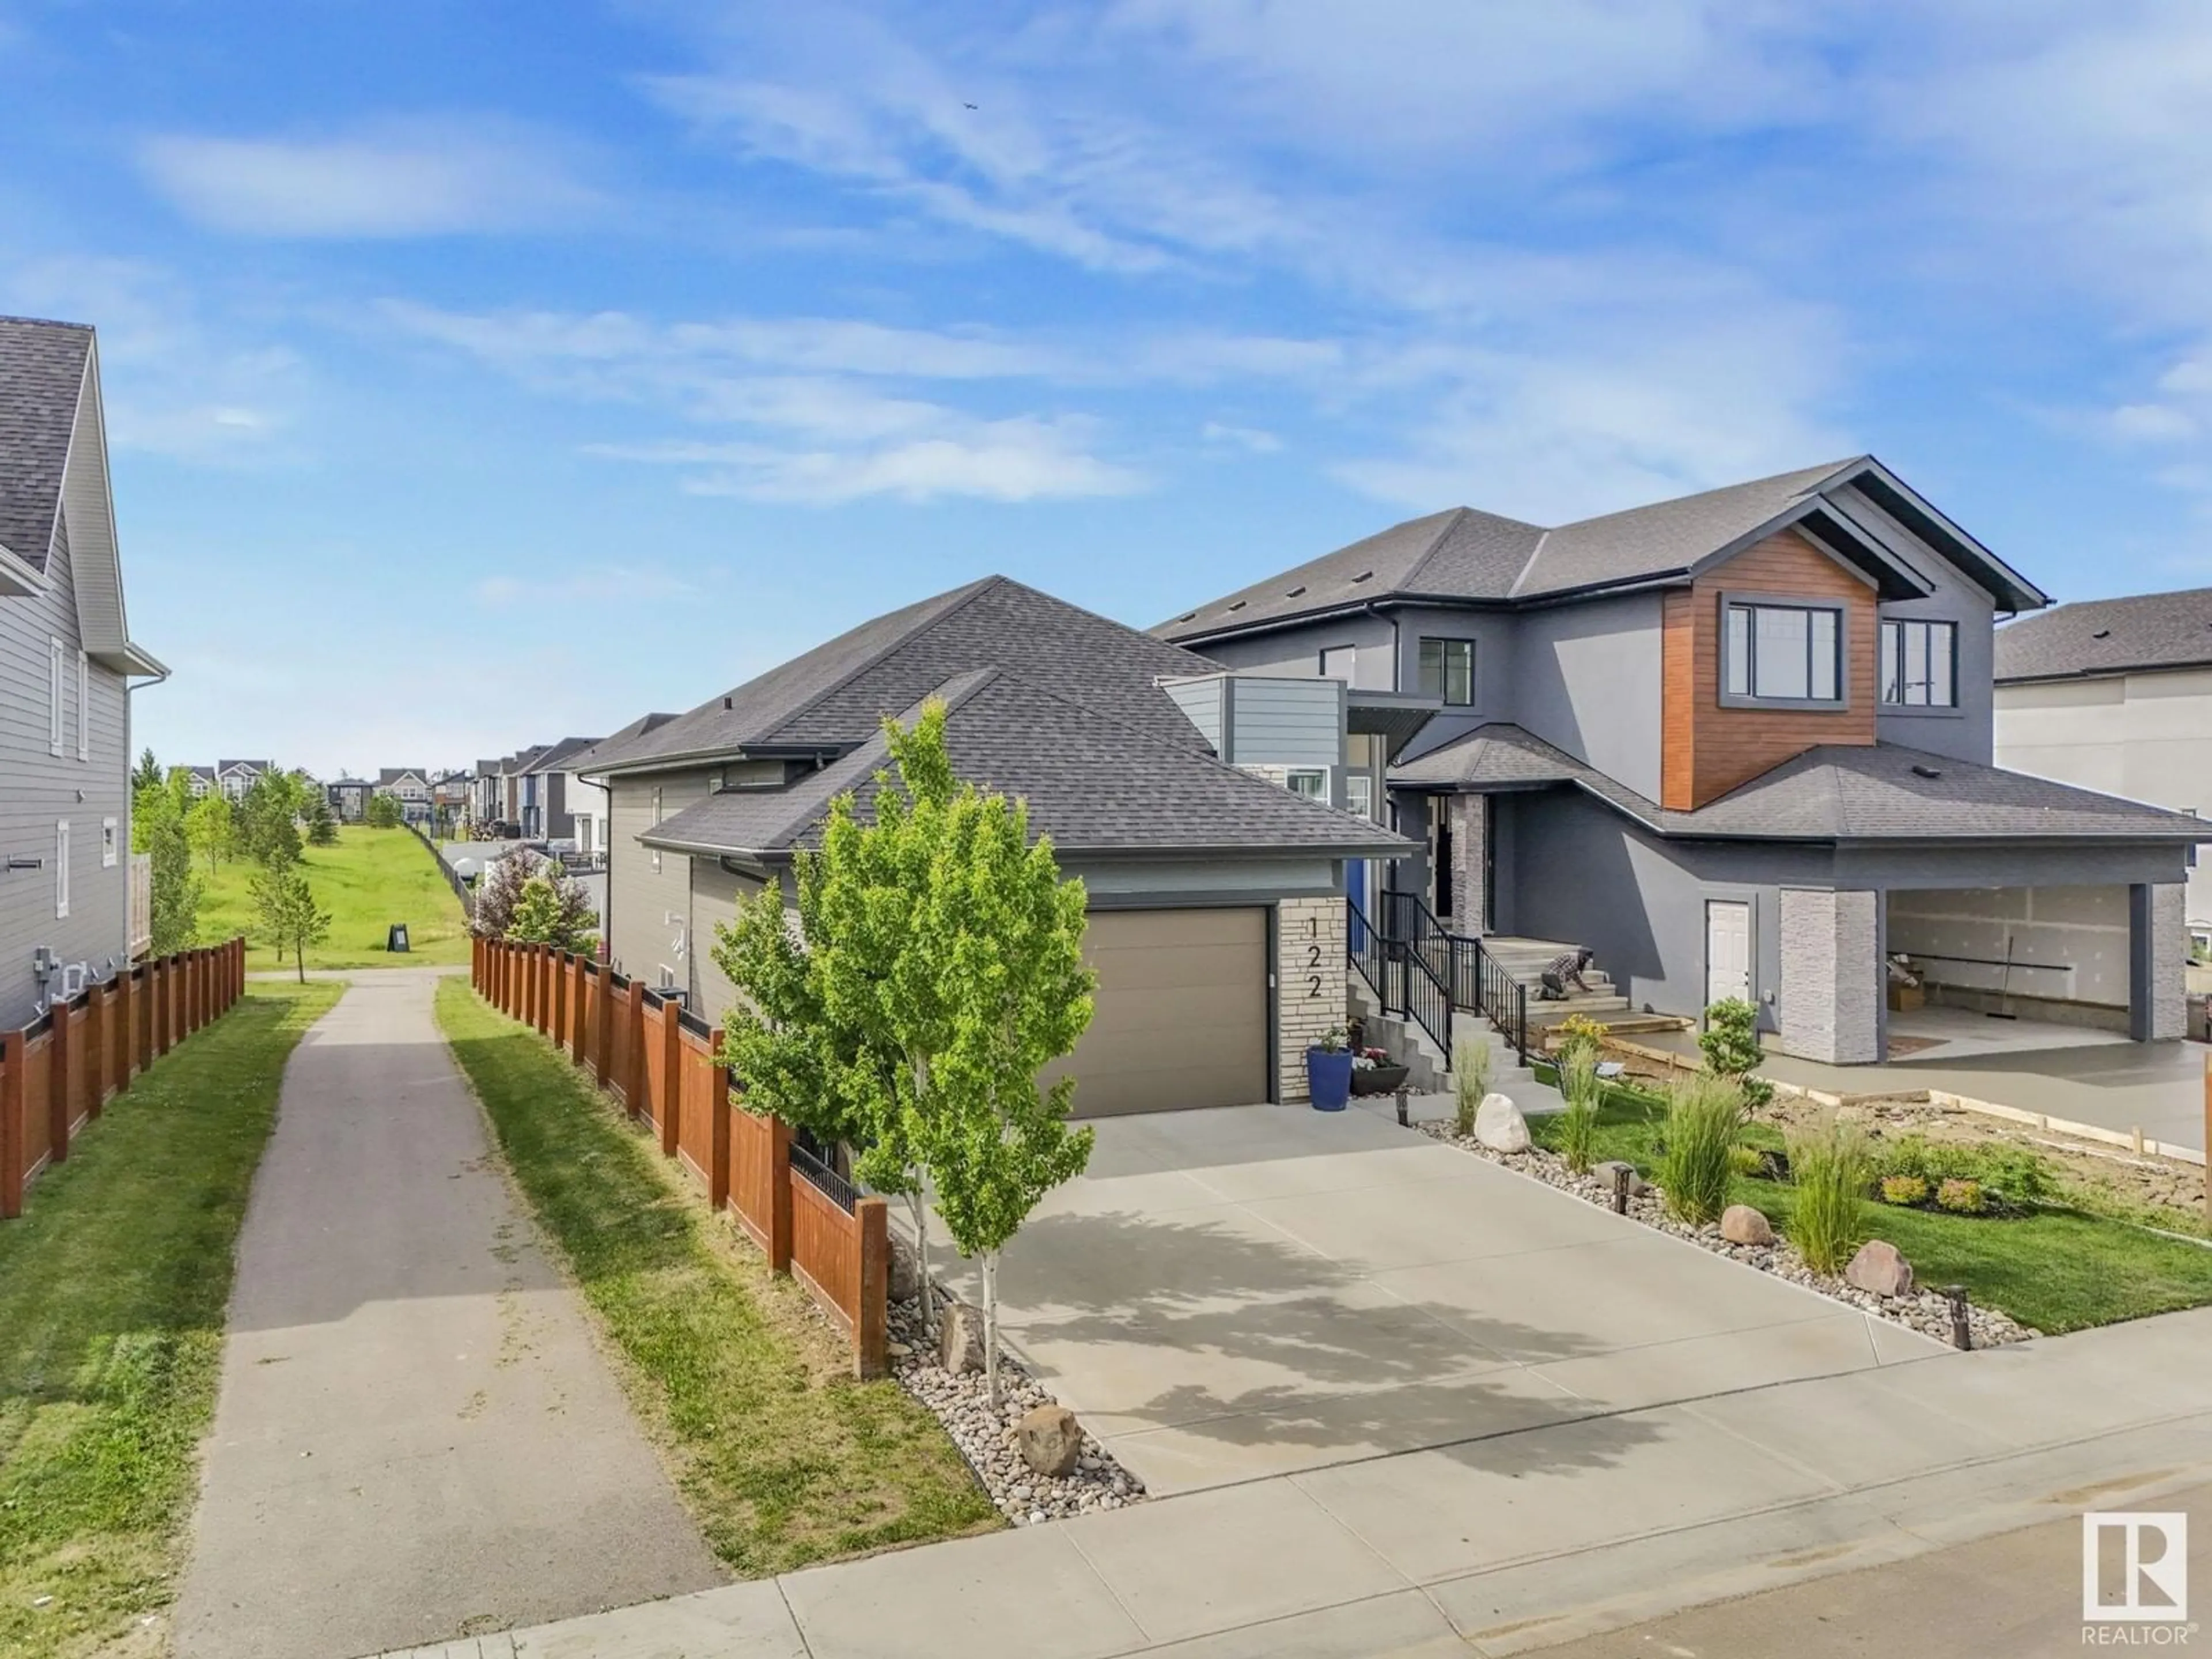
(67, 667)
(1740, 745)
(546, 811)
(1216, 896)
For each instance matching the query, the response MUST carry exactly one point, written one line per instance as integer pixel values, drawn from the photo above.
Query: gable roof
(2108, 636)
(561, 756)
(1093, 783)
(1836, 792)
(243, 765)
(1466, 557)
(592, 759)
(835, 696)
(42, 369)
(393, 773)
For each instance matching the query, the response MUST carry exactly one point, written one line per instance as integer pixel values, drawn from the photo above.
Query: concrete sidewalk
(416, 1438)
(1500, 1545)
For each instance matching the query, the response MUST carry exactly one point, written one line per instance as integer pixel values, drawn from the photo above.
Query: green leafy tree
(552, 909)
(212, 828)
(146, 775)
(157, 828)
(322, 824)
(1731, 1045)
(286, 912)
(383, 812)
(499, 890)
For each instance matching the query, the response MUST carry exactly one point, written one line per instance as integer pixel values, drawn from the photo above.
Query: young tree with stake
(289, 918)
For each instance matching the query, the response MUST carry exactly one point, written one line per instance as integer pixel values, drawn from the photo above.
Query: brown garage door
(1181, 1013)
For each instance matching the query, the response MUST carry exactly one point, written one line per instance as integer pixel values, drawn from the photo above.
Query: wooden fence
(56, 1074)
(664, 1067)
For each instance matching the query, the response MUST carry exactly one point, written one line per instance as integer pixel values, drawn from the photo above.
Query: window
(1312, 786)
(108, 848)
(61, 869)
(1359, 793)
(1336, 662)
(1448, 671)
(83, 707)
(1782, 654)
(1920, 663)
(54, 696)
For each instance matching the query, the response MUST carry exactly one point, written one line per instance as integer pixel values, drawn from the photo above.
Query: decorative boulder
(1741, 1224)
(906, 1271)
(1607, 1172)
(960, 1337)
(1878, 1269)
(1499, 1126)
(1050, 1438)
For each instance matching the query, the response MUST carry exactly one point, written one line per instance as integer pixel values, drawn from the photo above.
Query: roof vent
(726, 702)
(1920, 771)
(1295, 592)
(1361, 577)
(2102, 634)
(1187, 616)
(1239, 605)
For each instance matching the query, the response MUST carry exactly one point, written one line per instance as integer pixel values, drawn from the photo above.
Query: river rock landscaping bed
(986, 1439)
(1920, 1309)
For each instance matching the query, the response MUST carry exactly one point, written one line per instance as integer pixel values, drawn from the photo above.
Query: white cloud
(422, 177)
(1020, 459)
(1250, 439)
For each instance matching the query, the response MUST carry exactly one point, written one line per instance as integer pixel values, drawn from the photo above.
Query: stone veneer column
(1832, 974)
(2169, 956)
(1467, 820)
(1303, 1012)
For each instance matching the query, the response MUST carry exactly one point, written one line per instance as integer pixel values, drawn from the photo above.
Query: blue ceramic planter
(1328, 1078)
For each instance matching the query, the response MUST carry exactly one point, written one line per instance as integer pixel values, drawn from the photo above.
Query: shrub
(1905, 1190)
(1579, 1031)
(1729, 1043)
(1470, 1081)
(2022, 1176)
(1704, 1115)
(1961, 1197)
(1579, 1086)
(1748, 1162)
(1828, 1166)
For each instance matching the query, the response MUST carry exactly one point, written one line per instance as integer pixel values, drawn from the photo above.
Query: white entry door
(1728, 950)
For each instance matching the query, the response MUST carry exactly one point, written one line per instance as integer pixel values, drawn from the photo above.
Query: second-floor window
(1448, 671)
(53, 696)
(1920, 663)
(83, 707)
(1782, 654)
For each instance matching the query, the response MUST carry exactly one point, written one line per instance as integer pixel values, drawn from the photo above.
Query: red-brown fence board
(38, 1090)
(695, 1072)
(825, 1253)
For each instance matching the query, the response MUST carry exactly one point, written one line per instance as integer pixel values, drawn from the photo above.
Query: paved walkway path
(1513, 1543)
(416, 1438)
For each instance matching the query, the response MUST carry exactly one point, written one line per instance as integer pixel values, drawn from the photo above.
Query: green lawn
(2058, 1269)
(370, 879)
(112, 1289)
(782, 1456)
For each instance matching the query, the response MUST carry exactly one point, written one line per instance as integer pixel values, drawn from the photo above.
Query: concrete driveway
(1258, 1290)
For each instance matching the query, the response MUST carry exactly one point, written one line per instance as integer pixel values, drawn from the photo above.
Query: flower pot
(1328, 1078)
(1377, 1079)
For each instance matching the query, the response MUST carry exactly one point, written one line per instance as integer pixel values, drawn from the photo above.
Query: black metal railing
(1463, 970)
(824, 1180)
(1503, 998)
(1399, 966)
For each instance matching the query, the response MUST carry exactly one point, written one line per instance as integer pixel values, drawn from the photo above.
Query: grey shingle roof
(393, 773)
(1094, 783)
(835, 696)
(561, 756)
(1838, 791)
(609, 748)
(2097, 636)
(1468, 557)
(41, 371)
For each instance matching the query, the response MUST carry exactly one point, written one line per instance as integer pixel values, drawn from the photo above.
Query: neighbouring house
(201, 780)
(546, 787)
(69, 667)
(1217, 898)
(589, 799)
(1740, 745)
(512, 772)
(235, 777)
(484, 794)
(2116, 695)
(450, 792)
(349, 798)
(408, 785)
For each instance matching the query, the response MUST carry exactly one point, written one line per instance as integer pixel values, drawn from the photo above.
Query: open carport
(1256, 1290)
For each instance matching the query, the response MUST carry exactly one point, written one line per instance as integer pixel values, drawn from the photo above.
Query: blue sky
(480, 374)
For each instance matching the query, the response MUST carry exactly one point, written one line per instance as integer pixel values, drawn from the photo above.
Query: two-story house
(408, 785)
(548, 787)
(349, 798)
(1217, 919)
(2116, 695)
(235, 777)
(1740, 745)
(67, 669)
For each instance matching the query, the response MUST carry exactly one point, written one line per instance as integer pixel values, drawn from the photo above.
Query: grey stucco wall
(1587, 678)
(43, 790)
(641, 941)
(1296, 650)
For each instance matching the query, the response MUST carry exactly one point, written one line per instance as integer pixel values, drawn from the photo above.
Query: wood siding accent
(1707, 750)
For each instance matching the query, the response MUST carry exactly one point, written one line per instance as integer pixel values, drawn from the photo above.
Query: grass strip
(2060, 1269)
(112, 1291)
(370, 879)
(782, 1457)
